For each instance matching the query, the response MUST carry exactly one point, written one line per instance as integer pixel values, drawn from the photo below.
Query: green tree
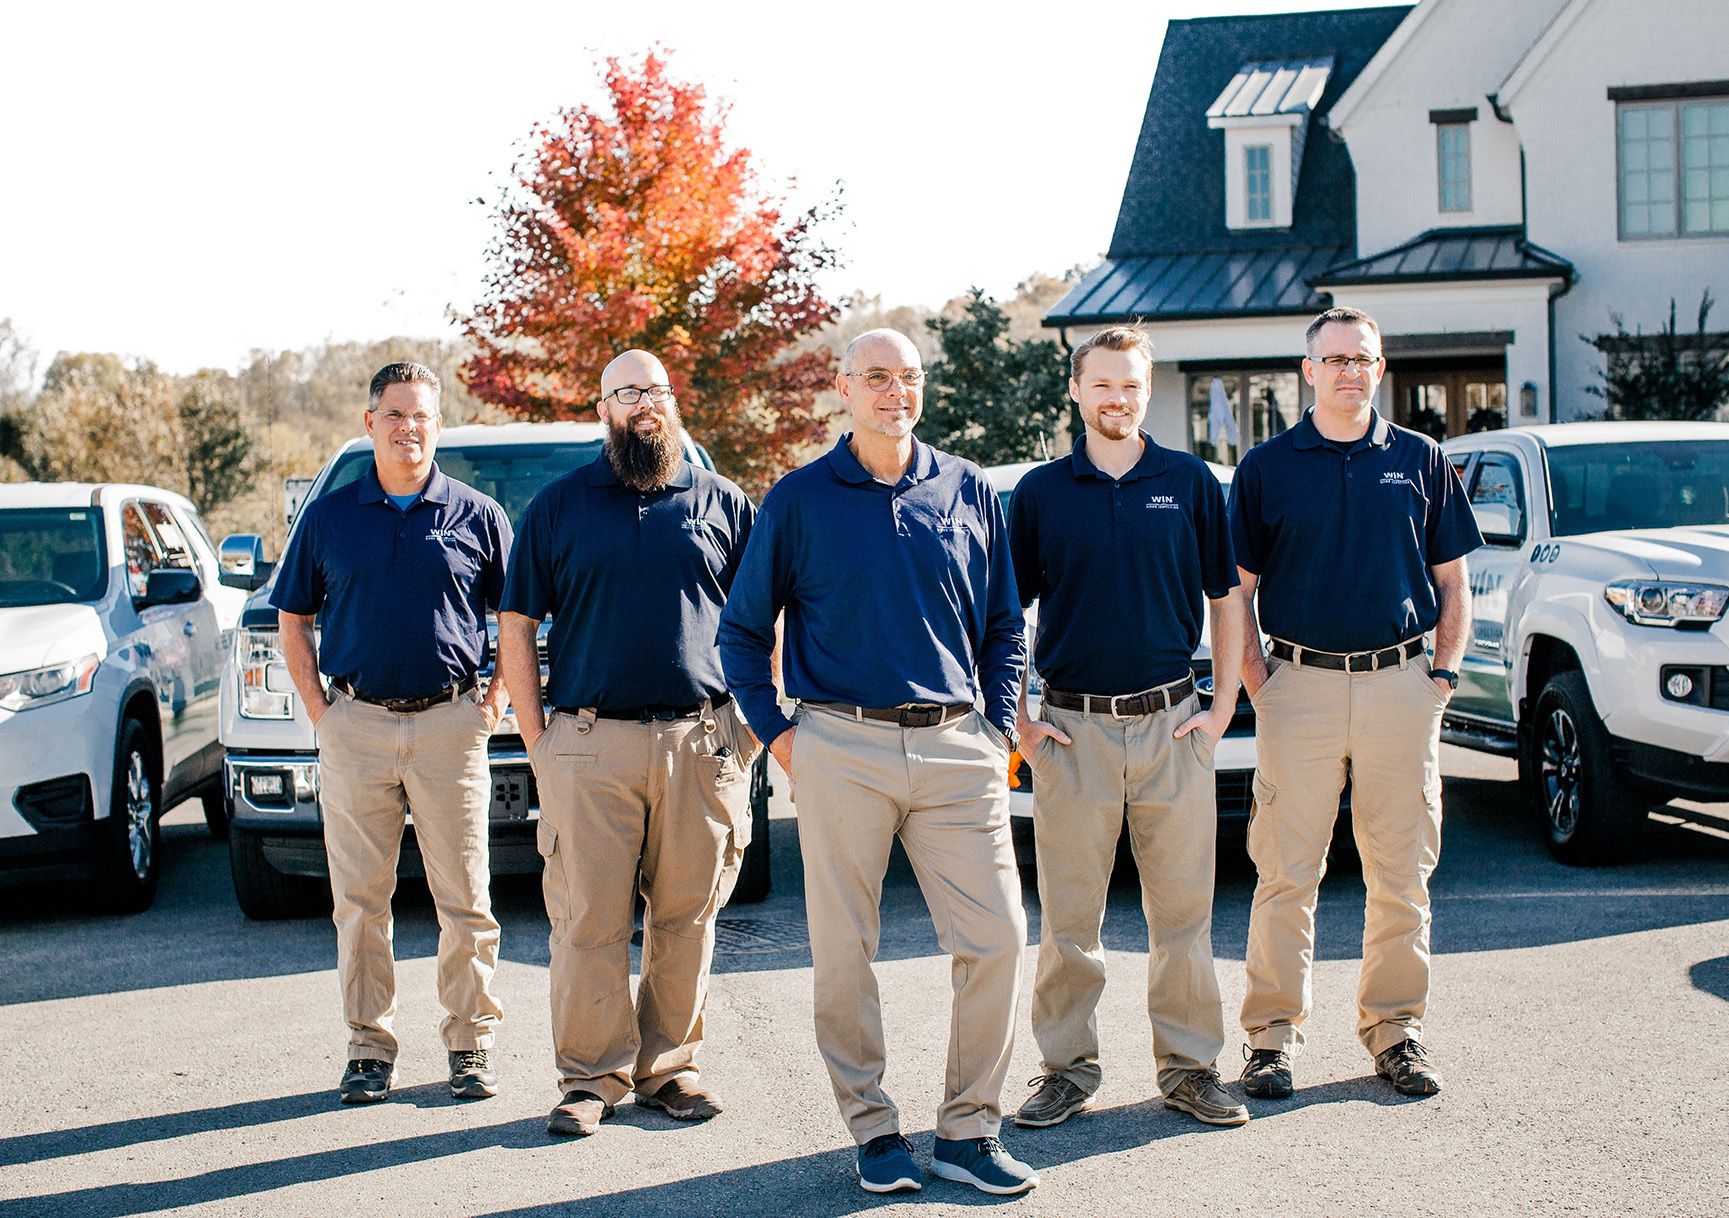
(992, 399)
(215, 444)
(1667, 375)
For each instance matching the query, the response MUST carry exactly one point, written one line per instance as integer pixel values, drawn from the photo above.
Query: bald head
(634, 367)
(881, 349)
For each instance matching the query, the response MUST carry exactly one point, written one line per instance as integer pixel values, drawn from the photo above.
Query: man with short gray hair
(402, 564)
(891, 562)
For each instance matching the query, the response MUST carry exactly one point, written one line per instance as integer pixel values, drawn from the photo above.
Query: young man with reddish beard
(643, 766)
(1119, 542)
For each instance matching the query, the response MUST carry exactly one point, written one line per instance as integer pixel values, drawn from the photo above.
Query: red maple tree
(641, 228)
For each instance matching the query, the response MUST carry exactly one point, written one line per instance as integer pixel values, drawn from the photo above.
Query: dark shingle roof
(1174, 200)
(1452, 253)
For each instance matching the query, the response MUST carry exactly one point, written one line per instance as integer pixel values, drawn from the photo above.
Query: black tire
(1589, 815)
(266, 894)
(754, 879)
(216, 810)
(131, 861)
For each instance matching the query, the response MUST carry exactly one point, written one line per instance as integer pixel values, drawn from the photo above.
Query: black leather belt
(1123, 706)
(410, 706)
(905, 716)
(649, 714)
(1352, 661)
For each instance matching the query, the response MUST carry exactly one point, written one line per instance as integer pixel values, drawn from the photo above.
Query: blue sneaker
(885, 1165)
(984, 1164)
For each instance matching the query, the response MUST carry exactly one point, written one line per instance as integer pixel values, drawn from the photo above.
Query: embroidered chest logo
(1166, 503)
(694, 524)
(441, 535)
(1394, 477)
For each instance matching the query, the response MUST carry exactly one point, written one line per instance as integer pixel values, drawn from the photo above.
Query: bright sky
(189, 182)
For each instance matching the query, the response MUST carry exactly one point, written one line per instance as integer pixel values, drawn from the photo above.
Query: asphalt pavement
(186, 1059)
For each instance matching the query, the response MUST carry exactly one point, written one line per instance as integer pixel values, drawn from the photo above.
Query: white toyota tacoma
(270, 766)
(1598, 651)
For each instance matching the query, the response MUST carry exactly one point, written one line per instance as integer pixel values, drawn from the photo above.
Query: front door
(1451, 398)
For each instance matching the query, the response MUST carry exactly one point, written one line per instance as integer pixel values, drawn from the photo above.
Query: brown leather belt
(651, 714)
(905, 716)
(410, 706)
(1342, 661)
(1124, 706)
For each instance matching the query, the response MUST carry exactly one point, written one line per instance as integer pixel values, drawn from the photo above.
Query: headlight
(1665, 603)
(266, 691)
(45, 686)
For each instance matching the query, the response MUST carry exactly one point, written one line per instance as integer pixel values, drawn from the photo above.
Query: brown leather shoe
(579, 1115)
(682, 1099)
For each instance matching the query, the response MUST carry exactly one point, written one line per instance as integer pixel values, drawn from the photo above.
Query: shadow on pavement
(1712, 976)
(1497, 888)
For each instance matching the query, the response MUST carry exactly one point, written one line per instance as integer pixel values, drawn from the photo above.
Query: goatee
(644, 462)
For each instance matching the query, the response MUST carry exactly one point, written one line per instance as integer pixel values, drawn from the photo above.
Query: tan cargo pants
(944, 792)
(1310, 724)
(374, 766)
(628, 807)
(1082, 792)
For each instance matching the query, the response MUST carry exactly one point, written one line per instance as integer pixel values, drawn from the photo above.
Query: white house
(1488, 178)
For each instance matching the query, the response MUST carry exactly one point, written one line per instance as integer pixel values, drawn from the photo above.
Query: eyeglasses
(878, 381)
(395, 418)
(630, 395)
(1339, 363)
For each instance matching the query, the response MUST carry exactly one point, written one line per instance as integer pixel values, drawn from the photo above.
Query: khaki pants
(628, 807)
(1312, 723)
(944, 792)
(1082, 793)
(375, 765)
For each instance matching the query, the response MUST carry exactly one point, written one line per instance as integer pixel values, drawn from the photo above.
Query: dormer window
(1264, 113)
(1453, 157)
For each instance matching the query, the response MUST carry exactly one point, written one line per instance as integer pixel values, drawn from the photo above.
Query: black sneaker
(1407, 1066)
(366, 1080)
(471, 1074)
(1268, 1074)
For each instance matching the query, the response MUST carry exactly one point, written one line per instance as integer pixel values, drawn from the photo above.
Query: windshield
(510, 473)
(49, 556)
(1598, 487)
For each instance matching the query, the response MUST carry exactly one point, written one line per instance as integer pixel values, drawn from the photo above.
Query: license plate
(512, 794)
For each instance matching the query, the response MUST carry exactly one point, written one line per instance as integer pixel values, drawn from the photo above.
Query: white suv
(112, 636)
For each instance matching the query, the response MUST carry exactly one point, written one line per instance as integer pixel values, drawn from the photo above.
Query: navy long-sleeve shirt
(892, 594)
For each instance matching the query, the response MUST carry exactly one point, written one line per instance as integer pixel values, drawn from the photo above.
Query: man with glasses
(890, 561)
(403, 565)
(1351, 536)
(643, 768)
(1119, 542)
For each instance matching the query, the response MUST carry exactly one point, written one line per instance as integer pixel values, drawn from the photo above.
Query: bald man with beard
(642, 765)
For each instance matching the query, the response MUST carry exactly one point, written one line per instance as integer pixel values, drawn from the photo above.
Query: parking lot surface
(186, 1059)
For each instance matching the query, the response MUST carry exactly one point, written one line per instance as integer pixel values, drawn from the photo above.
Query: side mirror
(171, 586)
(242, 560)
(1499, 523)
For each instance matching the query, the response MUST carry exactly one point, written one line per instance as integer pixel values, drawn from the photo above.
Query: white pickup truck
(1598, 651)
(270, 765)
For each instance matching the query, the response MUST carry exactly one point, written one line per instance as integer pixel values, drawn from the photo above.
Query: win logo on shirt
(1166, 503)
(1394, 477)
(441, 535)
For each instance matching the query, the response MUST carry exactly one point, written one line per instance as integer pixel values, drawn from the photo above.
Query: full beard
(644, 462)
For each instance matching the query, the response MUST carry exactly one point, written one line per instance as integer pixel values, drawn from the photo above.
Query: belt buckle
(921, 716)
(1373, 657)
(1116, 698)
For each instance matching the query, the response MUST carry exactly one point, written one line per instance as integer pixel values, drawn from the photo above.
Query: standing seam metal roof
(1499, 252)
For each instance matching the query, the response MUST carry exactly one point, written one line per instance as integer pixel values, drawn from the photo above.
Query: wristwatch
(1447, 675)
(1013, 737)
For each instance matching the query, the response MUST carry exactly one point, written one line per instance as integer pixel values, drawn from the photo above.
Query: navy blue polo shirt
(892, 594)
(1119, 566)
(403, 594)
(1341, 536)
(634, 581)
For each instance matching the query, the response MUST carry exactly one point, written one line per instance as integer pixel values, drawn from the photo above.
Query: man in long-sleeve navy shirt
(891, 562)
